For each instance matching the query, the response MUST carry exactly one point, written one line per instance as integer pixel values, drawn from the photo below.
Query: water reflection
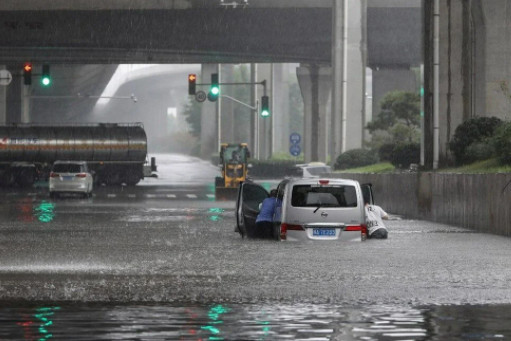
(255, 322)
(36, 326)
(28, 210)
(45, 211)
(215, 213)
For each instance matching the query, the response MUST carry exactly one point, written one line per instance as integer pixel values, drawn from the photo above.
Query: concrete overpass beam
(315, 83)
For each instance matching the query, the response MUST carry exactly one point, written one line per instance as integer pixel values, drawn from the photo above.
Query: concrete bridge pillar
(17, 100)
(209, 117)
(3, 101)
(315, 83)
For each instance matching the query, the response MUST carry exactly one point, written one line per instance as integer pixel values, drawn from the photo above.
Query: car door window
(253, 195)
(367, 193)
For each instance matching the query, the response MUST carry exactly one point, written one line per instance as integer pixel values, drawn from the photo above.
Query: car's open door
(367, 192)
(250, 196)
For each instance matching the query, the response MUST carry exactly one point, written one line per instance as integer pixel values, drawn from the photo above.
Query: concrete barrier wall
(480, 202)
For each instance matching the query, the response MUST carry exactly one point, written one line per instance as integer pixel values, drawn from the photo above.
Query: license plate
(67, 177)
(323, 232)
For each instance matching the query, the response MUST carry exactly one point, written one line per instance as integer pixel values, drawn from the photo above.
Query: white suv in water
(70, 177)
(308, 209)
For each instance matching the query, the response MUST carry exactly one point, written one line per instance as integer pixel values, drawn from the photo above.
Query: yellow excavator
(234, 167)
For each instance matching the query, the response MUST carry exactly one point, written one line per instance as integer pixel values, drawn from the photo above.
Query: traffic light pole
(263, 83)
(256, 108)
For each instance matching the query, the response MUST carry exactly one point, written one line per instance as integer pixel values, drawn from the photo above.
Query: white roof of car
(316, 181)
(312, 164)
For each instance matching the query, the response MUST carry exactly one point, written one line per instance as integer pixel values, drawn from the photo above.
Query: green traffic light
(46, 81)
(215, 90)
(45, 78)
(265, 106)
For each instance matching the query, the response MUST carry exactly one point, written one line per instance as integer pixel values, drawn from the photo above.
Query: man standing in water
(374, 215)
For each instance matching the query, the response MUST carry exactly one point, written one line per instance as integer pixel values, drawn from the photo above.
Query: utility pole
(336, 116)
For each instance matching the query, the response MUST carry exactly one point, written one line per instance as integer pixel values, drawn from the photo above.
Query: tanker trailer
(115, 153)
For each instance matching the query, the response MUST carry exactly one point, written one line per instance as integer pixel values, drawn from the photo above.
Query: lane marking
(132, 195)
(111, 195)
(211, 196)
(192, 196)
(171, 195)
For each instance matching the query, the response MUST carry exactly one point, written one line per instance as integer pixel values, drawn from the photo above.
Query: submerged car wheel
(241, 227)
(276, 232)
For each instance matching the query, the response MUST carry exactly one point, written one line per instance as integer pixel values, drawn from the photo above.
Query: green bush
(385, 151)
(270, 168)
(405, 154)
(502, 143)
(479, 151)
(470, 131)
(356, 158)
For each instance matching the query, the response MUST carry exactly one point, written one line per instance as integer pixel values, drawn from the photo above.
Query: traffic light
(45, 76)
(265, 106)
(192, 78)
(214, 90)
(27, 73)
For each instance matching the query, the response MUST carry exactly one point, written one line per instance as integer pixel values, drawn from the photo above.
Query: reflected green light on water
(266, 328)
(214, 314)
(215, 213)
(45, 211)
(43, 314)
(211, 190)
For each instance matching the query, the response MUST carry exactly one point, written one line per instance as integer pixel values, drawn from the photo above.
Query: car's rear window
(67, 168)
(324, 196)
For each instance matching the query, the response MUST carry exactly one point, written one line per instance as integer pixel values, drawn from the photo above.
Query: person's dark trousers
(379, 234)
(264, 229)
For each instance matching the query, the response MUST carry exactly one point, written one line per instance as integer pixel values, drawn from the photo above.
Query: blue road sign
(295, 138)
(295, 150)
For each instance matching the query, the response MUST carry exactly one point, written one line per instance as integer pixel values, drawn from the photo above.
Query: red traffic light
(27, 73)
(191, 83)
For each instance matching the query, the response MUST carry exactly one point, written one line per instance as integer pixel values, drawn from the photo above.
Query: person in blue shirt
(264, 220)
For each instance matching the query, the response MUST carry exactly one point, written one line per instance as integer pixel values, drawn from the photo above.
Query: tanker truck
(115, 153)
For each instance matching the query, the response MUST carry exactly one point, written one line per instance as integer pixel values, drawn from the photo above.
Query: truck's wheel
(131, 177)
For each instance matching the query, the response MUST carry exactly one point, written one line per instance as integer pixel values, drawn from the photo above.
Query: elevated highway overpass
(281, 31)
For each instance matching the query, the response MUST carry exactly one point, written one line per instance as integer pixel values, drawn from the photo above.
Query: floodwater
(169, 266)
(254, 322)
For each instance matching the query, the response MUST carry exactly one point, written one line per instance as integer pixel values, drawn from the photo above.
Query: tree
(192, 112)
(399, 117)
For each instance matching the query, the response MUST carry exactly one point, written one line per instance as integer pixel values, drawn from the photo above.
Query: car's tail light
(287, 227)
(81, 175)
(362, 228)
(54, 175)
(353, 228)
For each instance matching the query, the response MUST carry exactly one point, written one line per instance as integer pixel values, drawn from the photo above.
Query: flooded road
(254, 322)
(161, 261)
